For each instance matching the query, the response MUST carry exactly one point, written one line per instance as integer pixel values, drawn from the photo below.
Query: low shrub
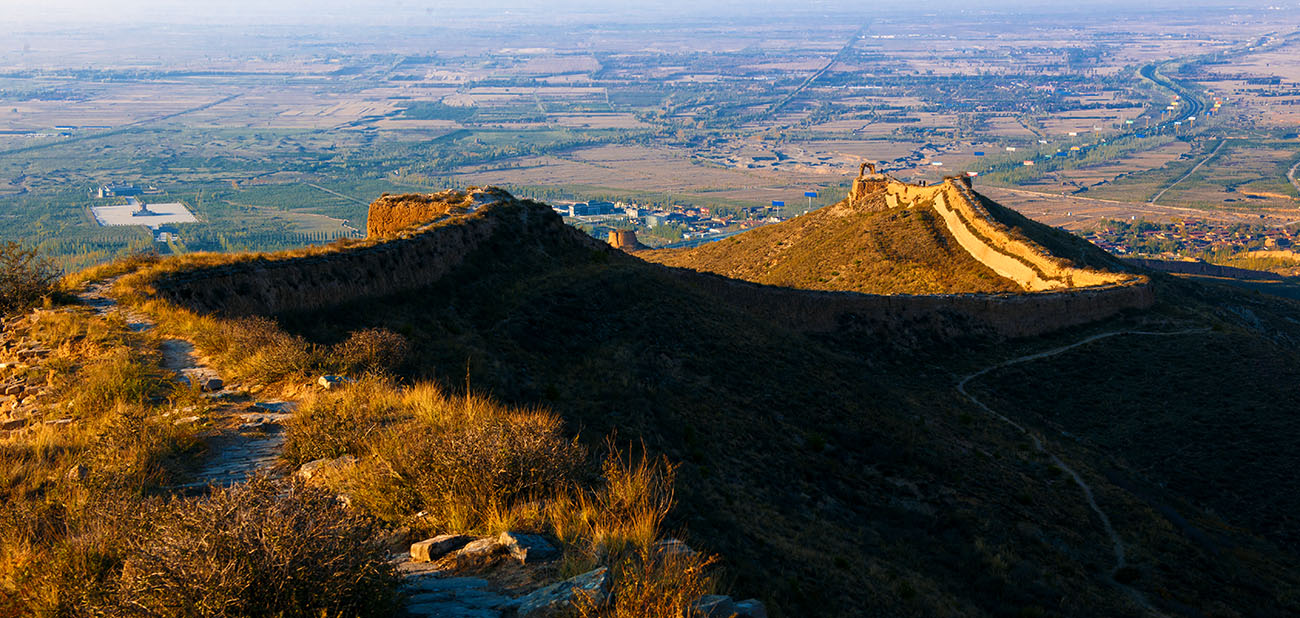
(371, 350)
(118, 377)
(342, 422)
(257, 549)
(257, 350)
(462, 475)
(655, 584)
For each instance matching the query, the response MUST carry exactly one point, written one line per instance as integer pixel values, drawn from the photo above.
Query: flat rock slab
(556, 599)
(450, 610)
(178, 355)
(284, 408)
(528, 548)
(481, 553)
(438, 546)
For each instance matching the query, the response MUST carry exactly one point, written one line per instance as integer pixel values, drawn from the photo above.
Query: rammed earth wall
(419, 257)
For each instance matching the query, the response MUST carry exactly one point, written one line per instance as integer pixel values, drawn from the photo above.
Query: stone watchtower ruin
(625, 240)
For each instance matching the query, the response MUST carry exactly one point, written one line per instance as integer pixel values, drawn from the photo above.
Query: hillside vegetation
(891, 237)
(855, 248)
(830, 473)
(834, 473)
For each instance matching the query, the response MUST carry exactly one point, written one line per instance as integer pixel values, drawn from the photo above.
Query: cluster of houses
(693, 222)
(1189, 238)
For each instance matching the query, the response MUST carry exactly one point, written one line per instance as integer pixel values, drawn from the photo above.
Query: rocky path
(513, 574)
(1117, 544)
(243, 436)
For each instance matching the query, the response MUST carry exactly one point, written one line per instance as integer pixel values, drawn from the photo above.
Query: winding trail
(1116, 543)
(1189, 172)
(1290, 175)
(244, 437)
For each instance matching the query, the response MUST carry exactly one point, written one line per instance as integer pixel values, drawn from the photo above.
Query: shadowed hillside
(837, 470)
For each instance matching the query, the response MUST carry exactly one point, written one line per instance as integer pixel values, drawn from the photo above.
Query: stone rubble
(436, 585)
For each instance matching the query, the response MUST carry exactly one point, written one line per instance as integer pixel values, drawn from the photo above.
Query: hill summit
(892, 237)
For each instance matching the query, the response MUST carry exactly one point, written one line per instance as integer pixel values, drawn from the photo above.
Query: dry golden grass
(427, 459)
(846, 248)
(79, 523)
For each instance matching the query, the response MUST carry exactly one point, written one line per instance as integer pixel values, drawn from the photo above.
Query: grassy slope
(837, 476)
(840, 247)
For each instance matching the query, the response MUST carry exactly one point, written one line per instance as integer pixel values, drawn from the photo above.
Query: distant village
(676, 225)
(1194, 238)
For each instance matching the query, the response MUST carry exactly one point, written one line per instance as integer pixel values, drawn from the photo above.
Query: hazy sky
(427, 12)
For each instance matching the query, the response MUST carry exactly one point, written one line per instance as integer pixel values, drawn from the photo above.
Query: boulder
(14, 389)
(481, 553)
(211, 384)
(323, 467)
(528, 547)
(557, 599)
(714, 606)
(12, 424)
(78, 473)
(432, 549)
(332, 382)
(751, 608)
(672, 548)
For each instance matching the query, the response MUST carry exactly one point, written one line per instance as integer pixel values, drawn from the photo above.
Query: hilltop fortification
(1003, 249)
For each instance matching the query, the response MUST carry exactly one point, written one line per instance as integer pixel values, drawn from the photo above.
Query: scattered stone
(714, 606)
(274, 407)
(59, 422)
(12, 424)
(14, 389)
(186, 420)
(751, 608)
(432, 549)
(323, 467)
(528, 547)
(446, 586)
(555, 599)
(211, 384)
(450, 610)
(332, 382)
(672, 548)
(78, 473)
(481, 553)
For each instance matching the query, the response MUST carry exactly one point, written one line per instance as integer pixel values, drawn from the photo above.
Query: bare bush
(25, 277)
(344, 422)
(372, 350)
(462, 475)
(258, 549)
(263, 352)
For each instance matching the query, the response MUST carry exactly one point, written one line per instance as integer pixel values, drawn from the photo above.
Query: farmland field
(283, 136)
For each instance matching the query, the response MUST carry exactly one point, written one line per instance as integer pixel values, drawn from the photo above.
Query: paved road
(1189, 172)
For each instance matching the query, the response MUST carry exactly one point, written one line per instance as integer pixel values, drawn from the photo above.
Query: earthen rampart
(420, 256)
(412, 259)
(980, 234)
